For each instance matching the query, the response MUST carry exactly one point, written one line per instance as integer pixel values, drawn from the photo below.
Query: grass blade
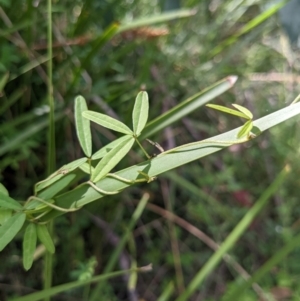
(31, 65)
(280, 254)
(140, 112)
(146, 21)
(12, 99)
(99, 42)
(232, 237)
(117, 251)
(188, 106)
(107, 122)
(73, 285)
(29, 245)
(83, 129)
(248, 27)
(10, 228)
(3, 81)
(16, 141)
(167, 293)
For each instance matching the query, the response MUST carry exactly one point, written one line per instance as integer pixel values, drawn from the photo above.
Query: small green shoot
(242, 112)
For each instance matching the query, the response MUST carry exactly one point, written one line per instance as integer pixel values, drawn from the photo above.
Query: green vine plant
(36, 207)
(47, 202)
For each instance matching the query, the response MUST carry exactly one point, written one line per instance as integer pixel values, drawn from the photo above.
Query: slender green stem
(146, 179)
(140, 145)
(51, 143)
(48, 264)
(51, 133)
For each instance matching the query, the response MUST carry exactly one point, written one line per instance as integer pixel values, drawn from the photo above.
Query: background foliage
(172, 61)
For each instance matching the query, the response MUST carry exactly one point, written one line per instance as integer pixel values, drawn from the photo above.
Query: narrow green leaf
(108, 147)
(5, 214)
(246, 129)
(3, 189)
(72, 165)
(107, 122)
(34, 62)
(45, 238)
(29, 245)
(252, 24)
(13, 28)
(27, 132)
(243, 110)
(9, 203)
(87, 168)
(3, 81)
(227, 110)
(140, 112)
(100, 41)
(64, 170)
(10, 228)
(12, 99)
(111, 159)
(56, 187)
(148, 20)
(83, 129)
(167, 292)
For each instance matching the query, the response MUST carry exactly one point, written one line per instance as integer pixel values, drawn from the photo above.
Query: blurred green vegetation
(171, 61)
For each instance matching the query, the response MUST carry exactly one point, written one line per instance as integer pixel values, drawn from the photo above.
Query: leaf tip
(232, 79)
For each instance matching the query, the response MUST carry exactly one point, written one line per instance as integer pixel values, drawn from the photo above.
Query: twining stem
(52, 205)
(101, 190)
(146, 178)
